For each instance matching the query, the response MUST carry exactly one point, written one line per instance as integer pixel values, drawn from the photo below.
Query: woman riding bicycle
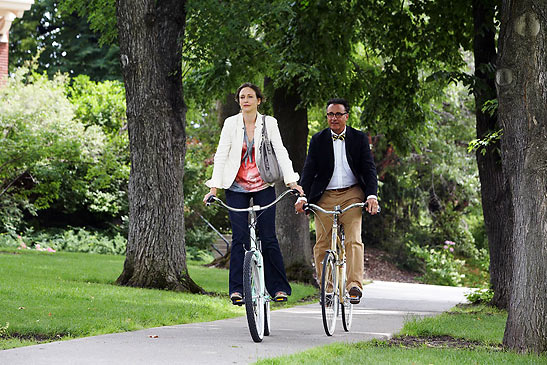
(235, 169)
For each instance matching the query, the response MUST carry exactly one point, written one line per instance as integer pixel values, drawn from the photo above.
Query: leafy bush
(441, 267)
(200, 237)
(98, 103)
(195, 254)
(431, 193)
(53, 155)
(477, 296)
(40, 145)
(70, 239)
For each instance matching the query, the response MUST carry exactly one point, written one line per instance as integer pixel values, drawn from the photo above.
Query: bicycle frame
(337, 247)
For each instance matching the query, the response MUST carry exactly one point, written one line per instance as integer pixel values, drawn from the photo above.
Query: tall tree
(434, 34)
(522, 91)
(293, 231)
(496, 197)
(151, 35)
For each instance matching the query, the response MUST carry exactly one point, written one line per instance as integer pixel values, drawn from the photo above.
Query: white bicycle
(256, 297)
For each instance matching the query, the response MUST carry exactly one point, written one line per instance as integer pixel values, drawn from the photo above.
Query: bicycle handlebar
(254, 208)
(308, 206)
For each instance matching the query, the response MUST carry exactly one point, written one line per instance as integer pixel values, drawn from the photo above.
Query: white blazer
(228, 156)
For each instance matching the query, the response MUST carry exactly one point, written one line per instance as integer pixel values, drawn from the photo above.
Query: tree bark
(293, 231)
(226, 108)
(151, 35)
(496, 196)
(521, 80)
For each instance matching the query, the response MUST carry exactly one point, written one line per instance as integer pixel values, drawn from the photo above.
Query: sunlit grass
(375, 353)
(481, 325)
(48, 296)
(475, 323)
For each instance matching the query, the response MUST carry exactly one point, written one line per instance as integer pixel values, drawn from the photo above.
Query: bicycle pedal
(238, 301)
(354, 300)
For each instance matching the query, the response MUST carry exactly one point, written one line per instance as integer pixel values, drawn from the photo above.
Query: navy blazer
(319, 165)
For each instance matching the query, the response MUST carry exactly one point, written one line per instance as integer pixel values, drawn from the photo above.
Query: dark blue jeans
(274, 269)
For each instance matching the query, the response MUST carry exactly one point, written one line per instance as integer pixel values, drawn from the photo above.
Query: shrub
(441, 267)
(70, 239)
(52, 158)
(478, 296)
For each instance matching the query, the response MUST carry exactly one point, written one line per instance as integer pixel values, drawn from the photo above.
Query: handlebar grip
(297, 193)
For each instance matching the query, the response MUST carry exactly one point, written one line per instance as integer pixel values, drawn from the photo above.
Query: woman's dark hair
(341, 101)
(252, 86)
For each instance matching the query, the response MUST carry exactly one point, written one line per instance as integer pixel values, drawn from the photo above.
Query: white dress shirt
(342, 176)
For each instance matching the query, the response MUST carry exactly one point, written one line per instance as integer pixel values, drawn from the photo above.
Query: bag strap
(264, 131)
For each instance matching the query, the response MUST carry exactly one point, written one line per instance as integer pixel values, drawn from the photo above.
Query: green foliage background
(69, 164)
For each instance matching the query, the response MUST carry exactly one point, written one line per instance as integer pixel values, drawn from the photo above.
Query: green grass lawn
(50, 296)
(479, 327)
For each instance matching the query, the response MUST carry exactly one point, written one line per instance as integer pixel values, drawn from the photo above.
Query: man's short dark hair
(341, 101)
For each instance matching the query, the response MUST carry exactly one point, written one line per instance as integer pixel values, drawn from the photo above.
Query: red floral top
(248, 178)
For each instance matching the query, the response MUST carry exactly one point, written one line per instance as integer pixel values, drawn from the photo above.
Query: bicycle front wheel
(253, 289)
(267, 319)
(346, 306)
(329, 293)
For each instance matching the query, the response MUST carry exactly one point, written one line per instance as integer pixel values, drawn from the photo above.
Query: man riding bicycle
(340, 170)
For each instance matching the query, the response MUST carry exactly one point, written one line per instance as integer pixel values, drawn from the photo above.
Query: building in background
(9, 10)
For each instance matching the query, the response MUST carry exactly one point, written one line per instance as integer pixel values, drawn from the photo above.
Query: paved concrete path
(385, 307)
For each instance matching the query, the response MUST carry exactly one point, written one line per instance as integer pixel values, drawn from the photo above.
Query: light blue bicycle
(256, 297)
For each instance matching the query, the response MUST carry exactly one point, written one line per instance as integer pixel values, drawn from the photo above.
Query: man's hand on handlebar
(299, 206)
(372, 206)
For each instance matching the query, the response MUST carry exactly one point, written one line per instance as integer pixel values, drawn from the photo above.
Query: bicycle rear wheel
(346, 307)
(254, 296)
(329, 294)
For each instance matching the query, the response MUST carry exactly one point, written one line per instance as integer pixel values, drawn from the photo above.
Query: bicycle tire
(267, 319)
(346, 306)
(254, 296)
(329, 294)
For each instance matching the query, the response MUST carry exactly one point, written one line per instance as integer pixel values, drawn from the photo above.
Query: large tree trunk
(293, 230)
(521, 80)
(496, 196)
(151, 36)
(226, 108)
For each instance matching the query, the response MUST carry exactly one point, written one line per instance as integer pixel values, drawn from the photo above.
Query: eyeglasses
(331, 115)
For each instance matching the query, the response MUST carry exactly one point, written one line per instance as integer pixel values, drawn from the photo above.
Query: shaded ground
(438, 342)
(378, 267)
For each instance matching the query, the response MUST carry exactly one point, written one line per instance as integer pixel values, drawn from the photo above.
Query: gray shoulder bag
(268, 167)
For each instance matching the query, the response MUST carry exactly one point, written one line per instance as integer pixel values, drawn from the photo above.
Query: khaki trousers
(351, 220)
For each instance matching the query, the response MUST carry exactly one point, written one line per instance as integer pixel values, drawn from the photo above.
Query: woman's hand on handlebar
(297, 187)
(212, 192)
